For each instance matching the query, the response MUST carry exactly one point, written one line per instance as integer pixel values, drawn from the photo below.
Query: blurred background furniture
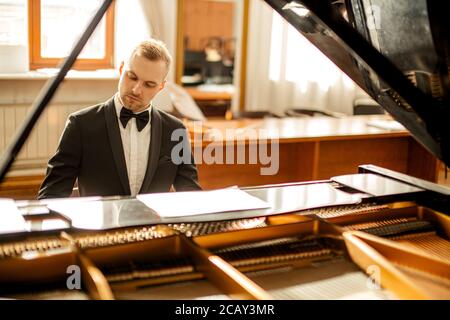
(250, 115)
(305, 112)
(366, 107)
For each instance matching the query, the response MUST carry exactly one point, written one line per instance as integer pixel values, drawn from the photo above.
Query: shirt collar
(118, 105)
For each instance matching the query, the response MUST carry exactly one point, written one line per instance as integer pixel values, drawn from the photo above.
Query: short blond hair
(153, 50)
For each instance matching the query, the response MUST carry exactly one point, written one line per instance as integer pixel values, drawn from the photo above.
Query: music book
(177, 204)
(386, 124)
(11, 220)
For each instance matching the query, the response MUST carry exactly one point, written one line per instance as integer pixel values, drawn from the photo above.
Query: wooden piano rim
(367, 250)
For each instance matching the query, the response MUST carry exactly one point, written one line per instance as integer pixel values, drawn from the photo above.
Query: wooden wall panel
(2, 135)
(295, 164)
(421, 164)
(207, 18)
(344, 157)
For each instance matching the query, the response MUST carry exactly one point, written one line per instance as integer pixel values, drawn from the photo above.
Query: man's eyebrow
(130, 71)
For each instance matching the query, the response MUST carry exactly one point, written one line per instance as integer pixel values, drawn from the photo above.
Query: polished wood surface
(304, 129)
(200, 95)
(309, 149)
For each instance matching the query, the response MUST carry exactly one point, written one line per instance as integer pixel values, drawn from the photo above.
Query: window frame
(34, 42)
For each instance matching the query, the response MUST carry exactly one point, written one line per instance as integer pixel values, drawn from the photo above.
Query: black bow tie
(141, 118)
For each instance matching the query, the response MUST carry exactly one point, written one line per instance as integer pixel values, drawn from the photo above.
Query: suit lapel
(154, 149)
(115, 140)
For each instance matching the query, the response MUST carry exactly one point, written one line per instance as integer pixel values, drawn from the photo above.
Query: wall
(16, 97)
(205, 19)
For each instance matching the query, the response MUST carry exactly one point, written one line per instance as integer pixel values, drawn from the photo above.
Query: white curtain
(285, 71)
(161, 17)
(137, 20)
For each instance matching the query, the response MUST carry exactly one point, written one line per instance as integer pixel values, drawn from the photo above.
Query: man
(123, 146)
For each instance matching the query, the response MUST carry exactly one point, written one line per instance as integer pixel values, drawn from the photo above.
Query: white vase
(13, 59)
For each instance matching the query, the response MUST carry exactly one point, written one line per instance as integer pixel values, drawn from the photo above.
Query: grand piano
(378, 234)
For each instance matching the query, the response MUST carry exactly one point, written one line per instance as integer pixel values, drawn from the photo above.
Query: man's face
(140, 80)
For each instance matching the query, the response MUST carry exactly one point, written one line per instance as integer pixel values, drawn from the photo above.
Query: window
(291, 49)
(54, 27)
(13, 22)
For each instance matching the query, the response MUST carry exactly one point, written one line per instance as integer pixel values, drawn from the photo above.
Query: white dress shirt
(135, 147)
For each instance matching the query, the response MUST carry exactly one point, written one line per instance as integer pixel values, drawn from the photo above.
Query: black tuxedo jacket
(91, 151)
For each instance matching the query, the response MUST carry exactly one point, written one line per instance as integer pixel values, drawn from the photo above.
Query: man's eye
(150, 85)
(132, 77)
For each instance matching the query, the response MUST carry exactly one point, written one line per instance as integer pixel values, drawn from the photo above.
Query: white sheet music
(386, 124)
(177, 204)
(11, 220)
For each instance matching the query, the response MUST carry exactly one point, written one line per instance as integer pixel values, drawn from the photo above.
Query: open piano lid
(397, 51)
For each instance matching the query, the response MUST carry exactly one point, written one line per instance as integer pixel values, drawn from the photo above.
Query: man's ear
(162, 85)
(121, 67)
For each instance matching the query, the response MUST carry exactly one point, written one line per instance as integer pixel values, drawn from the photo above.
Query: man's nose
(137, 88)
